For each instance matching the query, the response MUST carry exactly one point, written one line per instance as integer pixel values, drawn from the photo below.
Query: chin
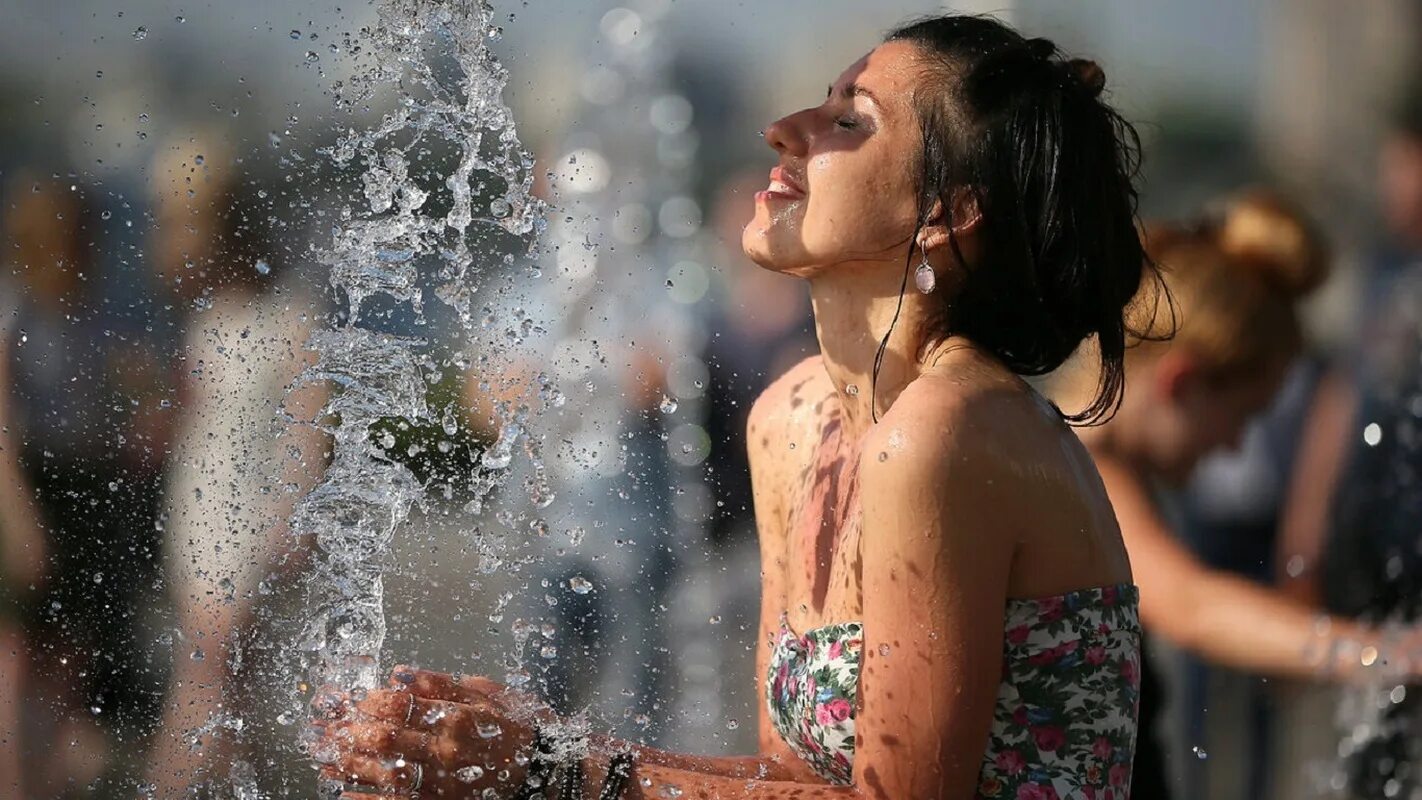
(758, 242)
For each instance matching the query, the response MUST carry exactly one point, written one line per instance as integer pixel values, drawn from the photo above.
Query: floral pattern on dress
(1064, 726)
(810, 689)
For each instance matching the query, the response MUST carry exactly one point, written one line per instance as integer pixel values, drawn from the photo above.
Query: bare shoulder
(785, 417)
(974, 419)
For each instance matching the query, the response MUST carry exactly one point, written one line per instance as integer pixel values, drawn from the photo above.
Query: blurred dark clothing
(742, 364)
(1372, 563)
(1372, 566)
(86, 406)
(1150, 774)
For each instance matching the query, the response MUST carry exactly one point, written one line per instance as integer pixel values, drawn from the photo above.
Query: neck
(854, 306)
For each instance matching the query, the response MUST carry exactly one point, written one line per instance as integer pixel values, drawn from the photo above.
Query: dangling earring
(924, 278)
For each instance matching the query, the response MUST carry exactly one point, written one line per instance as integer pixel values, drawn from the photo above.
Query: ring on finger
(410, 712)
(418, 778)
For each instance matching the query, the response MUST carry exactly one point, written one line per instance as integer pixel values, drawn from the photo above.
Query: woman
(1234, 283)
(925, 632)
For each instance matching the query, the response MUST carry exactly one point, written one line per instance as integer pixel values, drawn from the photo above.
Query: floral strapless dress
(1065, 721)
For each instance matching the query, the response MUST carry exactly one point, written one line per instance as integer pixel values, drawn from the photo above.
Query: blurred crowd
(154, 439)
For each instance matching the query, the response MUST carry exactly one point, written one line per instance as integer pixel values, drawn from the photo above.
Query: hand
(430, 735)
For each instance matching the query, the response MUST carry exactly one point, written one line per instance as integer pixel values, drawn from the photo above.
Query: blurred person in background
(241, 456)
(1234, 280)
(83, 663)
(1352, 534)
(22, 572)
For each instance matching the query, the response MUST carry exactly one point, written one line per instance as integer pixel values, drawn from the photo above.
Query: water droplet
(732, 724)
(180, 19)
(1372, 434)
(98, 577)
(1199, 752)
(883, 649)
(296, 34)
(469, 774)
(197, 654)
(199, 160)
(668, 405)
(140, 32)
(312, 55)
(263, 268)
(580, 585)
(106, 215)
(500, 208)
(488, 730)
(715, 619)
(852, 390)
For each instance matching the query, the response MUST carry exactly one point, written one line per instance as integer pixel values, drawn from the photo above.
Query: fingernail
(403, 675)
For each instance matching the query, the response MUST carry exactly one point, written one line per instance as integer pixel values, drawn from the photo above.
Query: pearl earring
(924, 278)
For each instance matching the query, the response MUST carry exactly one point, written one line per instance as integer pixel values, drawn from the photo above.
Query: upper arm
(1303, 527)
(936, 561)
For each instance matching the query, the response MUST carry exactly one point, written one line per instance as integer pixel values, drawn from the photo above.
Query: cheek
(859, 203)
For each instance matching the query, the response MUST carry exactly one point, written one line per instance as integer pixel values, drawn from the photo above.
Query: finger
(365, 796)
(437, 685)
(383, 738)
(409, 711)
(383, 774)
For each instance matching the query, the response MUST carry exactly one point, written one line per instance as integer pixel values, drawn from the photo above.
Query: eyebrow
(853, 89)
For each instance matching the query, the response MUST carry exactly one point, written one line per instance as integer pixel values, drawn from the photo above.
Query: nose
(787, 135)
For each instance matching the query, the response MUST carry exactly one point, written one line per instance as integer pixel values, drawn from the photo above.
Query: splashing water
(435, 55)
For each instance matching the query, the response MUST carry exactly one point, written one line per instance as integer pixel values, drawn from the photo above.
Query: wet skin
(967, 491)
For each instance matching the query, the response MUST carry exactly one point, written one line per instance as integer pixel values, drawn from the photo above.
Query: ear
(966, 219)
(1176, 374)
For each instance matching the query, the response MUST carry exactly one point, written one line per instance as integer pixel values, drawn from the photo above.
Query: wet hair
(1234, 277)
(1051, 167)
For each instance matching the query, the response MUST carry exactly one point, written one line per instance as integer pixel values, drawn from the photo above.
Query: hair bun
(1040, 48)
(1090, 74)
(1261, 231)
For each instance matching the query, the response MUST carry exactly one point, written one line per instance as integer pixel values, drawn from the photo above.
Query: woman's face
(845, 187)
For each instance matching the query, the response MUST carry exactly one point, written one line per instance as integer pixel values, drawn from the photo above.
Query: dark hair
(1052, 169)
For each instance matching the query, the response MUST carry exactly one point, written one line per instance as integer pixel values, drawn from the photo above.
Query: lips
(782, 186)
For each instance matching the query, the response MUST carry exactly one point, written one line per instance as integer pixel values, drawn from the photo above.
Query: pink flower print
(809, 647)
(1119, 774)
(1019, 717)
(1018, 635)
(1108, 596)
(835, 649)
(1050, 609)
(1096, 656)
(1049, 738)
(1011, 762)
(836, 710)
(1131, 671)
(1036, 791)
(1102, 748)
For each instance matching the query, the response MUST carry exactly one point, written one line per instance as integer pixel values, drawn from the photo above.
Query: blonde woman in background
(1234, 283)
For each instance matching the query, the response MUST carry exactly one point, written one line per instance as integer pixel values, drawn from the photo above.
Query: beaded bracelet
(619, 769)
